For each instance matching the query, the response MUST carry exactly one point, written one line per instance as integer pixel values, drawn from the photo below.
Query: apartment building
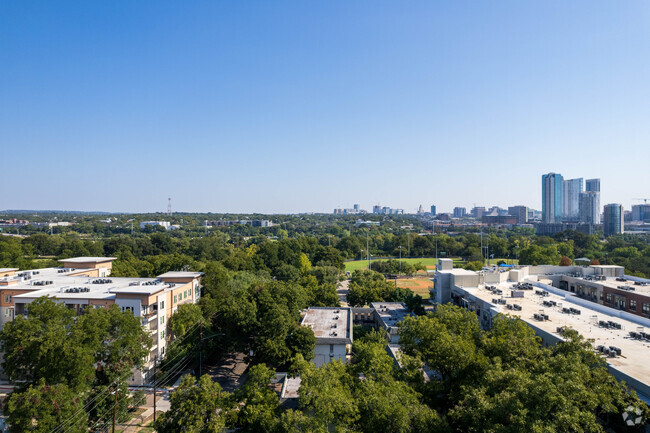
(529, 293)
(85, 282)
(333, 331)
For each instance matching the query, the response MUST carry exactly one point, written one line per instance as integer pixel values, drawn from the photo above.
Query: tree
(304, 265)
(474, 266)
(565, 261)
(40, 347)
(185, 317)
(117, 340)
(42, 408)
(301, 340)
(261, 405)
(327, 392)
(196, 407)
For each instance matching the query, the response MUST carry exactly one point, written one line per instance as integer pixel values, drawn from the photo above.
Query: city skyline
(292, 107)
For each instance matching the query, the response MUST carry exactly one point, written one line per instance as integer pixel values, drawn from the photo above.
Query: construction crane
(645, 200)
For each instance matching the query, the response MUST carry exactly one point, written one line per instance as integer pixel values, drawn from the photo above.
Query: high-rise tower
(552, 198)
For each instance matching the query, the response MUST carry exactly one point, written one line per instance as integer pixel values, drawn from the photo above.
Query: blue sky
(291, 106)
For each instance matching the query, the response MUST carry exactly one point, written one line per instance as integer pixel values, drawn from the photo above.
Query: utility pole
(400, 260)
(201, 349)
(368, 250)
(115, 406)
(155, 362)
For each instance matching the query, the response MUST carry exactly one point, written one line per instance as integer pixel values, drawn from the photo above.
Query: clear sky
(293, 106)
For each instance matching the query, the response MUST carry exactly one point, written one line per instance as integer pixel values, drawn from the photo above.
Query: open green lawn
(429, 262)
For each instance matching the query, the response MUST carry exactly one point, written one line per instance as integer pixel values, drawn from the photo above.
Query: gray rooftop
(330, 325)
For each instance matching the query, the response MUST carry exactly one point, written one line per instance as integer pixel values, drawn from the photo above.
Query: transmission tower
(169, 206)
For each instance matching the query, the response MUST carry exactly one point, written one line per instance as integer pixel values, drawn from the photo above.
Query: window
(632, 304)
(7, 298)
(331, 348)
(185, 294)
(175, 299)
(646, 308)
(162, 320)
(162, 305)
(124, 309)
(162, 335)
(609, 298)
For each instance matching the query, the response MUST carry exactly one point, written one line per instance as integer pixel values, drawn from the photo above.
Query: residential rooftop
(330, 325)
(587, 318)
(88, 259)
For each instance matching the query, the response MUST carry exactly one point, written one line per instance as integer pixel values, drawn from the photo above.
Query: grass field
(429, 262)
(419, 286)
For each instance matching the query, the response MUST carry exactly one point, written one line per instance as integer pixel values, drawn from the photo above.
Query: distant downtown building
(590, 207)
(519, 212)
(433, 210)
(460, 212)
(552, 198)
(571, 190)
(613, 219)
(592, 185)
(641, 212)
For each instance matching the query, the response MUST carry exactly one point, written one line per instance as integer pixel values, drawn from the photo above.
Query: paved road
(342, 291)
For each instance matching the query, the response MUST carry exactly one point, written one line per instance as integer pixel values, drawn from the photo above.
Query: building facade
(333, 331)
(85, 282)
(460, 212)
(590, 207)
(641, 212)
(433, 210)
(613, 219)
(571, 190)
(592, 185)
(520, 213)
(552, 198)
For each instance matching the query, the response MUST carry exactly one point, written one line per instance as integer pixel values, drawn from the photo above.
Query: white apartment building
(333, 331)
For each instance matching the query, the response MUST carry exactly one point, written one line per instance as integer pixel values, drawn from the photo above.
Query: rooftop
(175, 274)
(330, 325)
(634, 352)
(88, 259)
(390, 313)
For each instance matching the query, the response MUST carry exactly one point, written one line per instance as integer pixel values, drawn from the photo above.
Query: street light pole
(361, 258)
(368, 250)
(400, 260)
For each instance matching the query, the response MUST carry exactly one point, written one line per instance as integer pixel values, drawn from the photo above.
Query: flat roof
(8, 269)
(635, 353)
(178, 274)
(458, 271)
(330, 325)
(88, 259)
(391, 313)
(109, 286)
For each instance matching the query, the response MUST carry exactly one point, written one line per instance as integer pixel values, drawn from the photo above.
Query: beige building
(85, 282)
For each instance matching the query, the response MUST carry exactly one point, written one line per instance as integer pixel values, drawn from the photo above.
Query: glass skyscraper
(613, 223)
(571, 190)
(552, 198)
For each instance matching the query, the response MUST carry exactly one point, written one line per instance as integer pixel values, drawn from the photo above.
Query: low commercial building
(333, 331)
(85, 282)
